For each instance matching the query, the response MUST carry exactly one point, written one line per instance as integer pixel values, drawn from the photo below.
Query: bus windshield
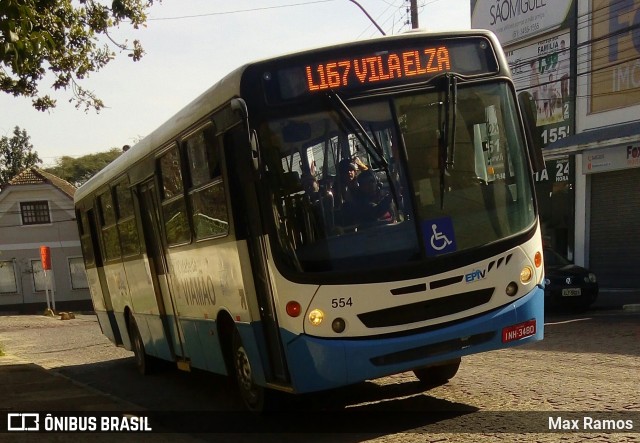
(440, 179)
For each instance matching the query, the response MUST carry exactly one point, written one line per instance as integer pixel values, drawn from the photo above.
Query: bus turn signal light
(537, 259)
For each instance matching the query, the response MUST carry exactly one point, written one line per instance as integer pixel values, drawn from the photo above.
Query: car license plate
(519, 331)
(571, 292)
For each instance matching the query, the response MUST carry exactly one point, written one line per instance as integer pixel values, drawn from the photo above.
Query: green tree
(65, 39)
(16, 154)
(78, 170)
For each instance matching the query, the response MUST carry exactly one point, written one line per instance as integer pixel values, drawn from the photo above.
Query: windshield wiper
(448, 140)
(356, 127)
(371, 145)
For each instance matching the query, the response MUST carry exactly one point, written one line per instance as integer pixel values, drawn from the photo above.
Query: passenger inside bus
(369, 204)
(348, 183)
(348, 173)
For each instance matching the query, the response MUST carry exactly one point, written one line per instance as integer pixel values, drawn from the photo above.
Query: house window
(35, 213)
(8, 282)
(77, 272)
(39, 279)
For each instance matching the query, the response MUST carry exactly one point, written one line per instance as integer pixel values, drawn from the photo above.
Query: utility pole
(414, 14)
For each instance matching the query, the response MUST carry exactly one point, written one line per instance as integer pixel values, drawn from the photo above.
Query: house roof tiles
(35, 176)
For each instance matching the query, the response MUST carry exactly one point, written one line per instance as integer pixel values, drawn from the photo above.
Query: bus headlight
(316, 316)
(526, 275)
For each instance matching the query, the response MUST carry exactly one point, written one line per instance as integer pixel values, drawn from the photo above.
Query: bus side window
(109, 229)
(207, 198)
(85, 238)
(174, 208)
(127, 227)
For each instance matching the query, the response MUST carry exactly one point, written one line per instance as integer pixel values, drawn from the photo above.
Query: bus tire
(256, 398)
(142, 360)
(439, 374)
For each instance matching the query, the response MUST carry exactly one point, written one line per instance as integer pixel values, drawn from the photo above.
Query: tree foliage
(78, 170)
(16, 154)
(65, 39)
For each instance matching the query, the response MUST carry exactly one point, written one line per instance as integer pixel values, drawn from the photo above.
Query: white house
(36, 209)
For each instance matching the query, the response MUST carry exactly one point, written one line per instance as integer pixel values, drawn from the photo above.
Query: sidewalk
(617, 299)
(29, 387)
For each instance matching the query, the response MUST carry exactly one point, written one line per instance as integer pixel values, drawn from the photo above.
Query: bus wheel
(254, 396)
(438, 374)
(142, 360)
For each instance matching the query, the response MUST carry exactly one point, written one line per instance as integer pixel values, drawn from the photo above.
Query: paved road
(587, 366)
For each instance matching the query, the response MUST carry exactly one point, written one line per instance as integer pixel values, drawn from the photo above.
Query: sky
(191, 44)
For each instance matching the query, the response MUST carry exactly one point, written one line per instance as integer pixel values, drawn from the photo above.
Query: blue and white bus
(224, 241)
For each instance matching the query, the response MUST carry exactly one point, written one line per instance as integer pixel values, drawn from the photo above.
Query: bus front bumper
(318, 363)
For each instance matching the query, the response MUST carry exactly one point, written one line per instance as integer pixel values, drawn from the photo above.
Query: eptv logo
(475, 275)
(23, 421)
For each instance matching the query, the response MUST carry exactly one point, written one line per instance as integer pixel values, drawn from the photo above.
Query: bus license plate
(571, 292)
(519, 331)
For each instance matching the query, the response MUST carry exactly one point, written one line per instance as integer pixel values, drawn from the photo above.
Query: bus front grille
(433, 350)
(426, 310)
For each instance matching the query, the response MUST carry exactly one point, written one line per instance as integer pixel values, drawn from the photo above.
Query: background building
(36, 209)
(580, 60)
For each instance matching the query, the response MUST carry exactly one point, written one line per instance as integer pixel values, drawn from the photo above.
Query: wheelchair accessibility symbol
(438, 236)
(439, 241)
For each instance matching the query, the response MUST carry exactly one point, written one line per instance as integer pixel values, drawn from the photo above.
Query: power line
(239, 11)
(389, 5)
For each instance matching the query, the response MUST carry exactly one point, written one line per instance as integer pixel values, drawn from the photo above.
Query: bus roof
(217, 96)
(214, 97)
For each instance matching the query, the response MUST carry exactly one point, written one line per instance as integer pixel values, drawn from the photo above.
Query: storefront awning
(595, 139)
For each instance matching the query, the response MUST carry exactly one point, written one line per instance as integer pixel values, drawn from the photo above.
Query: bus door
(150, 218)
(249, 225)
(96, 255)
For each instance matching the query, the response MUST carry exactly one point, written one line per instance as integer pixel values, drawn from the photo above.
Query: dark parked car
(567, 286)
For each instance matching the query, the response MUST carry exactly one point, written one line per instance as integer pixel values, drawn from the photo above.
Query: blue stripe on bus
(317, 364)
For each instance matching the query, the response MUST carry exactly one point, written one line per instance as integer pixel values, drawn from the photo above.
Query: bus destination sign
(380, 67)
(363, 67)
